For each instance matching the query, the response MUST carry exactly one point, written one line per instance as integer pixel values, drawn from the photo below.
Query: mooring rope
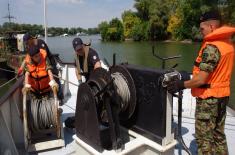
(65, 80)
(7, 70)
(53, 75)
(8, 82)
(42, 114)
(122, 88)
(70, 107)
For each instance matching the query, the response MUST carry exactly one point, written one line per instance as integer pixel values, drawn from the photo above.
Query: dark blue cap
(27, 37)
(77, 43)
(33, 50)
(210, 15)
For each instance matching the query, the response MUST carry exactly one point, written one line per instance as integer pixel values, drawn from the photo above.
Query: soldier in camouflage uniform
(211, 84)
(210, 112)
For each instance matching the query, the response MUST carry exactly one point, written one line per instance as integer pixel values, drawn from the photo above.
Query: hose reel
(41, 120)
(42, 114)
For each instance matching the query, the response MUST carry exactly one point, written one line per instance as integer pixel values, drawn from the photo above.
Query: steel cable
(41, 111)
(42, 114)
(1, 86)
(7, 70)
(122, 89)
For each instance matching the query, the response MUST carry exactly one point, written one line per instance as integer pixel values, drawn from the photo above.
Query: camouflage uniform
(210, 112)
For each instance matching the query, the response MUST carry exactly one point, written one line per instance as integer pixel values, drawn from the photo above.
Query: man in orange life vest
(38, 76)
(211, 84)
(29, 41)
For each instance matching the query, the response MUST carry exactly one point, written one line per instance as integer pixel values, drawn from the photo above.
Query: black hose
(179, 137)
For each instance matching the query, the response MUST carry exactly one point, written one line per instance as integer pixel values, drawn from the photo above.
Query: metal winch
(133, 96)
(101, 101)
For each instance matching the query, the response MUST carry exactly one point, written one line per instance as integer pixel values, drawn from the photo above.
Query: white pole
(45, 20)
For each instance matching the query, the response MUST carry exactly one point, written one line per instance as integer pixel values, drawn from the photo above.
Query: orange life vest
(218, 81)
(39, 78)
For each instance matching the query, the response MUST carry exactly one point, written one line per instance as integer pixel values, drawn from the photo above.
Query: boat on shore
(12, 50)
(11, 56)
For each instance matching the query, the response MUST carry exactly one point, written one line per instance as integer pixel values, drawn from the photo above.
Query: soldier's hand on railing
(54, 85)
(26, 88)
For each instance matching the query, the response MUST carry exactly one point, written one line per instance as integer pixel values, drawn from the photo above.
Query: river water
(139, 53)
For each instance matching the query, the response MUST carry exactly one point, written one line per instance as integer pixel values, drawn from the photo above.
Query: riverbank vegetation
(170, 20)
(52, 31)
(165, 19)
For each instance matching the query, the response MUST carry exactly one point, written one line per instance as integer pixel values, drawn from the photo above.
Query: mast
(9, 16)
(45, 20)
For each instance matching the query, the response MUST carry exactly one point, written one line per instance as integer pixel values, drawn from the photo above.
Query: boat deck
(188, 127)
(71, 148)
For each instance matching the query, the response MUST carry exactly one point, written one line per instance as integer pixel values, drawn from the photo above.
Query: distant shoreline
(185, 41)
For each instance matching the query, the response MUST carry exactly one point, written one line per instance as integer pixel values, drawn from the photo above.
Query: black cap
(77, 43)
(210, 15)
(33, 50)
(27, 37)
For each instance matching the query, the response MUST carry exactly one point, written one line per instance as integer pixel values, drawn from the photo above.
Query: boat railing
(11, 127)
(11, 123)
(61, 62)
(64, 68)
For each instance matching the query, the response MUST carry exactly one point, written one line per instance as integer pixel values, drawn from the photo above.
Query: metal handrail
(164, 58)
(16, 85)
(61, 62)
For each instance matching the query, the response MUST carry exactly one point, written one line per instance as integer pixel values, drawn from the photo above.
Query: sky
(65, 13)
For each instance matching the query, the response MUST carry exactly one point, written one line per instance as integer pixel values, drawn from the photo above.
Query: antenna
(9, 17)
(45, 20)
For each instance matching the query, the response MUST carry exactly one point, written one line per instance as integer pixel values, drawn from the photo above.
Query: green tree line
(164, 19)
(39, 29)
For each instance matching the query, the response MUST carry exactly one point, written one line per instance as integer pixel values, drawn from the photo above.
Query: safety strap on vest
(41, 92)
(38, 78)
(85, 63)
(205, 86)
(196, 63)
(215, 85)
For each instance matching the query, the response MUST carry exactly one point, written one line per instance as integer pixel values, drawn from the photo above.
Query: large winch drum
(126, 90)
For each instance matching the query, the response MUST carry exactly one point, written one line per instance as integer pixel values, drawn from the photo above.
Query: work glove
(27, 87)
(175, 86)
(19, 72)
(79, 81)
(185, 76)
(54, 85)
